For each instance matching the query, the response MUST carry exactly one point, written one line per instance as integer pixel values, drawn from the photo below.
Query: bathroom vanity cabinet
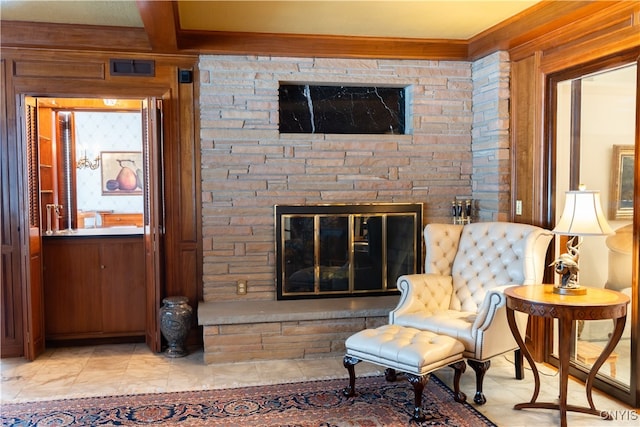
(94, 286)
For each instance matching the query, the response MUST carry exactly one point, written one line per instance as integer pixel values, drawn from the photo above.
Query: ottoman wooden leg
(418, 383)
(408, 350)
(349, 362)
(390, 375)
(459, 368)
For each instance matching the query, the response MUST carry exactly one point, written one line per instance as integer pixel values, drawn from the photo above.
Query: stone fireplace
(345, 249)
(248, 165)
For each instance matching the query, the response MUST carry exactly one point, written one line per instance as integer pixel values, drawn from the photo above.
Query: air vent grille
(132, 67)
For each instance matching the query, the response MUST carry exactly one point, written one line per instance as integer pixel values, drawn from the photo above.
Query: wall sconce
(84, 162)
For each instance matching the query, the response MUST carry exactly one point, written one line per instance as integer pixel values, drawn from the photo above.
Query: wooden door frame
(65, 73)
(33, 295)
(551, 78)
(153, 282)
(153, 122)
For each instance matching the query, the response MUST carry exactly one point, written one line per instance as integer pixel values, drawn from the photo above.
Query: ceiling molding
(612, 29)
(161, 34)
(233, 43)
(533, 23)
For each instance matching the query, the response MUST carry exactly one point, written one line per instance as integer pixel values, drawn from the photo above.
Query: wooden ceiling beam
(40, 35)
(160, 20)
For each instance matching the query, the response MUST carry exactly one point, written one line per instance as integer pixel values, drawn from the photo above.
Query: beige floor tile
(133, 368)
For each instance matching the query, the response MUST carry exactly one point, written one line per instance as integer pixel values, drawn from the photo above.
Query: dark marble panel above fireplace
(342, 109)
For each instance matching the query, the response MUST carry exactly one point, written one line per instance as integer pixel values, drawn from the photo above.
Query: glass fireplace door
(339, 254)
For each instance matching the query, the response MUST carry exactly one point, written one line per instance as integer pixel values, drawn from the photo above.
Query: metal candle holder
(461, 211)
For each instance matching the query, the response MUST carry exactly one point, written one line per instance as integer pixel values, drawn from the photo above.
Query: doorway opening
(90, 163)
(93, 164)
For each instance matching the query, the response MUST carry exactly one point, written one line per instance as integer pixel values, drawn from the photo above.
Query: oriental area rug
(315, 403)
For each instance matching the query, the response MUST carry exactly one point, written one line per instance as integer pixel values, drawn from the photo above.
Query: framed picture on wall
(121, 173)
(621, 189)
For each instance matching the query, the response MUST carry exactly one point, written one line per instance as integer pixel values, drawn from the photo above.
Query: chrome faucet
(57, 210)
(49, 206)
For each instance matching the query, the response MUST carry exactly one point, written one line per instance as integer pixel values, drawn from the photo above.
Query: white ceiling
(452, 19)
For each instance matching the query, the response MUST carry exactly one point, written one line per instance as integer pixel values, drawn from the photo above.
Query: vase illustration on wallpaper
(175, 323)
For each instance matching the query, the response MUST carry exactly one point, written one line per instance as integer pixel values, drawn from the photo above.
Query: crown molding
(538, 27)
(322, 46)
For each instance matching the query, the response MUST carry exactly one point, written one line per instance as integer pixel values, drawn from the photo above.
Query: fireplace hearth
(346, 250)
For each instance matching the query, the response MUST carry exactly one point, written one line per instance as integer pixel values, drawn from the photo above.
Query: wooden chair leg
(480, 368)
(519, 364)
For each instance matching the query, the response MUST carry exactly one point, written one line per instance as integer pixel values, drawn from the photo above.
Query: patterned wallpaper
(98, 132)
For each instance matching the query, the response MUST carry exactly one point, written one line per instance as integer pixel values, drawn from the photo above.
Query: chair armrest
(425, 293)
(493, 300)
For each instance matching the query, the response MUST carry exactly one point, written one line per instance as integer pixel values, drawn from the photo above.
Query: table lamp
(582, 216)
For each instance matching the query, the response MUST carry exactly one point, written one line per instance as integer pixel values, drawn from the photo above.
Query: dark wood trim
(635, 256)
(606, 36)
(610, 29)
(575, 137)
(538, 27)
(531, 24)
(160, 24)
(524, 83)
(576, 67)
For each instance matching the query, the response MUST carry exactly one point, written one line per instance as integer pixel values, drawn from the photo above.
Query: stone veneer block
(456, 143)
(265, 330)
(248, 166)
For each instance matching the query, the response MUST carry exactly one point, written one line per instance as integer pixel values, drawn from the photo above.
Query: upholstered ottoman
(412, 351)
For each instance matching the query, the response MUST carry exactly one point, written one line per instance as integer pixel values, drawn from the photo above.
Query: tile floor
(132, 368)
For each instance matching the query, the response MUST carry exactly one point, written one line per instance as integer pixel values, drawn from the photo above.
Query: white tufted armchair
(461, 295)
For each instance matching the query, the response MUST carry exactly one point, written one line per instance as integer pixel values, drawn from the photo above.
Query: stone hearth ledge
(267, 311)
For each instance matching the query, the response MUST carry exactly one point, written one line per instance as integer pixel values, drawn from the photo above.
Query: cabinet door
(71, 288)
(123, 286)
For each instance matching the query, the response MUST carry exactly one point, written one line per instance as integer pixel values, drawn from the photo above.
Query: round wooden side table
(539, 300)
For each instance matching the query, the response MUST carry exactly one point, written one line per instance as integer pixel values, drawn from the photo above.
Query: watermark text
(620, 414)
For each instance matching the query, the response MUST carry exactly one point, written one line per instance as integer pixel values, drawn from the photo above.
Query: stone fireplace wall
(491, 177)
(248, 167)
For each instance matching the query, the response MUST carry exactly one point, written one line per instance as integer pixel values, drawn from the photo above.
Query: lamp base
(569, 291)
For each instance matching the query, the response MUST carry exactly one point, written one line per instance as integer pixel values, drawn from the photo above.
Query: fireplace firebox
(346, 250)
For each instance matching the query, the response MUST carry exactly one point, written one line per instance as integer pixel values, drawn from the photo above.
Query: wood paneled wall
(611, 32)
(63, 60)
(59, 73)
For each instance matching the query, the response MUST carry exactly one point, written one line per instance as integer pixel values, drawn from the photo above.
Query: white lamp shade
(582, 215)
